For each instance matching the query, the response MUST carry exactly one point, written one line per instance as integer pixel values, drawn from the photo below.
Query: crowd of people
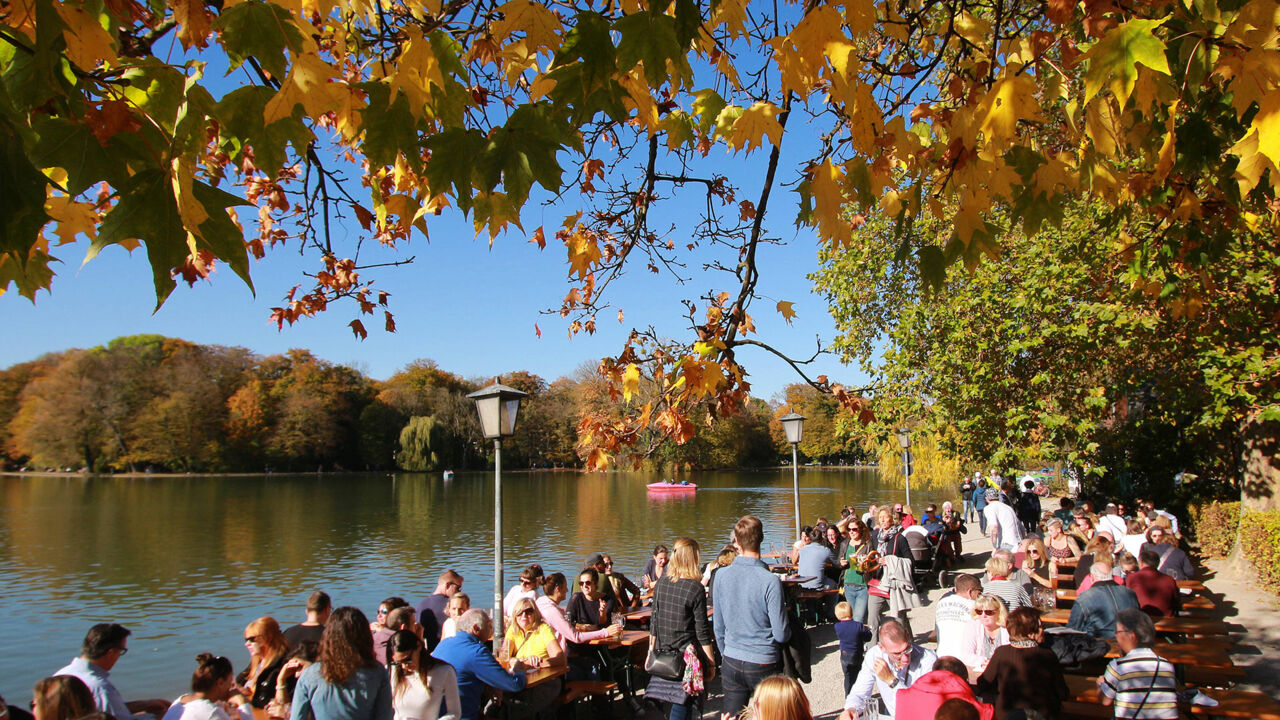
(731, 616)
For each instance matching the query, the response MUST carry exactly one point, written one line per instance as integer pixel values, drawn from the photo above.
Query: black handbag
(667, 664)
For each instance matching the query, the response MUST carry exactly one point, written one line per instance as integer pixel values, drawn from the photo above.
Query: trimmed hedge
(1260, 540)
(1215, 526)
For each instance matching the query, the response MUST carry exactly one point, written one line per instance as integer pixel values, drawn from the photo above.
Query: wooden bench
(1193, 602)
(1084, 703)
(578, 690)
(1184, 625)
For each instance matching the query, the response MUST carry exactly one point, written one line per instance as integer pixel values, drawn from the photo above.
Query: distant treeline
(151, 402)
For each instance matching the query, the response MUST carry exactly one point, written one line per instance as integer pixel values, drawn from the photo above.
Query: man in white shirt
(954, 613)
(1002, 522)
(892, 663)
(1111, 521)
(103, 647)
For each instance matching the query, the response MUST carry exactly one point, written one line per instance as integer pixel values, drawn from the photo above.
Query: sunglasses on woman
(984, 612)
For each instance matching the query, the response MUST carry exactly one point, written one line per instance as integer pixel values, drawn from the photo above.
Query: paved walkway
(1253, 615)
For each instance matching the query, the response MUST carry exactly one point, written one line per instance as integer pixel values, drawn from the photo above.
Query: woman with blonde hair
(778, 697)
(267, 653)
(984, 634)
(530, 640)
(1098, 550)
(1058, 543)
(680, 625)
(62, 697)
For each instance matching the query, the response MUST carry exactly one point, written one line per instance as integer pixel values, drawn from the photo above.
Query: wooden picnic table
(1184, 625)
(1183, 654)
(540, 675)
(1084, 702)
(628, 638)
(1189, 602)
(796, 579)
(638, 616)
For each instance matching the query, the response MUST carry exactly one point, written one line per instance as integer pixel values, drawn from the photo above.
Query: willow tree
(1167, 111)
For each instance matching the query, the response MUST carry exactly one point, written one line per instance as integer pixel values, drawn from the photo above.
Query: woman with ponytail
(213, 693)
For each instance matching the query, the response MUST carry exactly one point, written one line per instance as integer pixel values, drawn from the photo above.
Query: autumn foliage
(985, 116)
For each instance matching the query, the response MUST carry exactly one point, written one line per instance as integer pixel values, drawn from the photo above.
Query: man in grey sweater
(750, 618)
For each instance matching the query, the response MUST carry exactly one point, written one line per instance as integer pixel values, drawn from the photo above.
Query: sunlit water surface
(186, 563)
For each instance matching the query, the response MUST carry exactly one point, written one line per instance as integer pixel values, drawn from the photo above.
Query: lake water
(187, 562)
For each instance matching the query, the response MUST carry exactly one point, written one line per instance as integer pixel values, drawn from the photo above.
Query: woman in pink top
(555, 589)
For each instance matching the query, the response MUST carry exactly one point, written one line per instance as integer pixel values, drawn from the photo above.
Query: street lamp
(793, 426)
(904, 440)
(498, 406)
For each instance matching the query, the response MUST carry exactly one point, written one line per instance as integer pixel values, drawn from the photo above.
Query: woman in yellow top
(530, 640)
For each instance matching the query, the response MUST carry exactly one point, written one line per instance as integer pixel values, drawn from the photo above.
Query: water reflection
(187, 562)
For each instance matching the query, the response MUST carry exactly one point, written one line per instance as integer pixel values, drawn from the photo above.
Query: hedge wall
(1260, 538)
(1215, 525)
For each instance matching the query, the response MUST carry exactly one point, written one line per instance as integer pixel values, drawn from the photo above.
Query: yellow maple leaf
(583, 252)
(1266, 123)
(972, 28)
(1010, 99)
(785, 307)
(87, 42)
(190, 210)
(640, 98)
(860, 16)
(310, 84)
(732, 14)
(968, 218)
(1252, 164)
(417, 72)
(630, 381)
(541, 28)
(73, 218)
(754, 123)
(827, 188)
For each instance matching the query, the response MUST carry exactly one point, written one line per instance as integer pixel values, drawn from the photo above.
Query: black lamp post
(498, 406)
(793, 426)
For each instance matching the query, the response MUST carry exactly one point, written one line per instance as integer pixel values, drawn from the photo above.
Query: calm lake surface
(187, 562)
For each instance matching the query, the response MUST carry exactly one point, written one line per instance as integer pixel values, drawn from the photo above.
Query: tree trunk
(1260, 481)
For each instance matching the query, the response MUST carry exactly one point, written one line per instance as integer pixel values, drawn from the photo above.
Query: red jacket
(930, 690)
(1158, 594)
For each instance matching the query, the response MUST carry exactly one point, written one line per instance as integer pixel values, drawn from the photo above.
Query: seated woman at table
(1097, 550)
(984, 634)
(1058, 543)
(1173, 561)
(530, 640)
(724, 559)
(1022, 675)
(588, 608)
(656, 567)
(1082, 528)
(555, 589)
(213, 695)
(267, 651)
(1135, 536)
(419, 682)
(627, 593)
(458, 604)
(779, 697)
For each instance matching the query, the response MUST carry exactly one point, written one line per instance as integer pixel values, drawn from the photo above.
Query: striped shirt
(1011, 592)
(1142, 685)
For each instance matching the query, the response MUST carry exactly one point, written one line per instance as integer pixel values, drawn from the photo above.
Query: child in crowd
(458, 604)
(853, 636)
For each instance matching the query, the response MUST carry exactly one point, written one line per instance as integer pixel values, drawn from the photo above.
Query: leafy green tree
(422, 446)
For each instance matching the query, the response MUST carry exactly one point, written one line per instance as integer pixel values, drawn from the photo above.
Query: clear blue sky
(470, 308)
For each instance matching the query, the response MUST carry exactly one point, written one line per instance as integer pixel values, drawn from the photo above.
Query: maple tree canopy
(986, 114)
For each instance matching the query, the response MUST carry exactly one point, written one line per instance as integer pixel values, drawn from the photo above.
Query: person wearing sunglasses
(420, 684)
(430, 610)
(267, 650)
(102, 648)
(589, 609)
(984, 634)
(894, 662)
(1022, 675)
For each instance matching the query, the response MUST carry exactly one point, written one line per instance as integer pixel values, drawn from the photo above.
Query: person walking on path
(750, 618)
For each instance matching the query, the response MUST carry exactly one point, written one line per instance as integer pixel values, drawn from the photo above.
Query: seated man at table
(103, 646)
(1158, 594)
(1095, 609)
(891, 664)
(477, 669)
(1139, 681)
